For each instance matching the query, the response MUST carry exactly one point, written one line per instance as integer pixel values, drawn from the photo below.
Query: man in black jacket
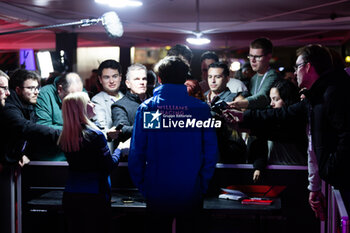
(19, 131)
(124, 110)
(326, 104)
(18, 119)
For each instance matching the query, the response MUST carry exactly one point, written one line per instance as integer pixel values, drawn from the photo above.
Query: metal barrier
(125, 164)
(338, 219)
(218, 165)
(8, 200)
(337, 212)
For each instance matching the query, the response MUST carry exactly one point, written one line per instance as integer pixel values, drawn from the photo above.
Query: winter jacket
(20, 132)
(123, 112)
(172, 166)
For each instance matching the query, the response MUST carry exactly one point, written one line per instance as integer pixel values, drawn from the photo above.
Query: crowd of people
(260, 117)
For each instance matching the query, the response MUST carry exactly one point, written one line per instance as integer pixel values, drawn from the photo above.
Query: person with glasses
(48, 108)
(4, 87)
(109, 77)
(20, 134)
(124, 110)
(325, 105)
(18, 118)
(260, 53)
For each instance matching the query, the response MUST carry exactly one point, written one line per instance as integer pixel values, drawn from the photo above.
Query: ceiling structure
(230, 24)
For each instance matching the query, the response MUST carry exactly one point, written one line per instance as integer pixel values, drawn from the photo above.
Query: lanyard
(262, 80)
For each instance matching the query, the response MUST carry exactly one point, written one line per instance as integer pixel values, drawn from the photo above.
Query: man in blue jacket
(173, 150)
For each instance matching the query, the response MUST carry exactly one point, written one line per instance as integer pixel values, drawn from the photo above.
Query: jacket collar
(14, 100)
(134, 97)
(170, 89)
(318, 89)
(222, 95)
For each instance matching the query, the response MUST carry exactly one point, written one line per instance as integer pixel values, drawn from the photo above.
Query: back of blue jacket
(172, 165)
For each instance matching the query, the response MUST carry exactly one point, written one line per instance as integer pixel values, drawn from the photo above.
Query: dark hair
(182, 50)
(151, 78)
(172, 69)
(262, 43)
(318, 56)
(19, 76)
(194, 89)
(288, 92)
(209, 55)
(112, 64)
(222, 65)
(64, 81)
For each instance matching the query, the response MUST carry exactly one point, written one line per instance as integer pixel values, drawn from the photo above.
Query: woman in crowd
(291, 148)
(87, 197)
(287, 143)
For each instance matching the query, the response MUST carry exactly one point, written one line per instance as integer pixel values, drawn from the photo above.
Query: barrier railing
(122, 164)
(218, 165)
(338, 218)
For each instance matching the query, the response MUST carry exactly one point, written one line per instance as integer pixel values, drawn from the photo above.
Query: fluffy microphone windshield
(112, 24)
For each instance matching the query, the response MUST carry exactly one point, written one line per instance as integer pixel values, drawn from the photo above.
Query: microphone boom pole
(84, 22)
(110, 22)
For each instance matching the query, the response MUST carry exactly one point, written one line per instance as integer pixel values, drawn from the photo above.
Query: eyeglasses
(33, 88)
(255, 57)
(299, 65)
(5, 88)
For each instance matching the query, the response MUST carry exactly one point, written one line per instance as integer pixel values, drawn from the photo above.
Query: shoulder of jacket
(48, 89)
(119, 103)
(99, 96)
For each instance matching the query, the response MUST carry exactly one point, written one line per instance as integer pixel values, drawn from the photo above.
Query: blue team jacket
(172, 166)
